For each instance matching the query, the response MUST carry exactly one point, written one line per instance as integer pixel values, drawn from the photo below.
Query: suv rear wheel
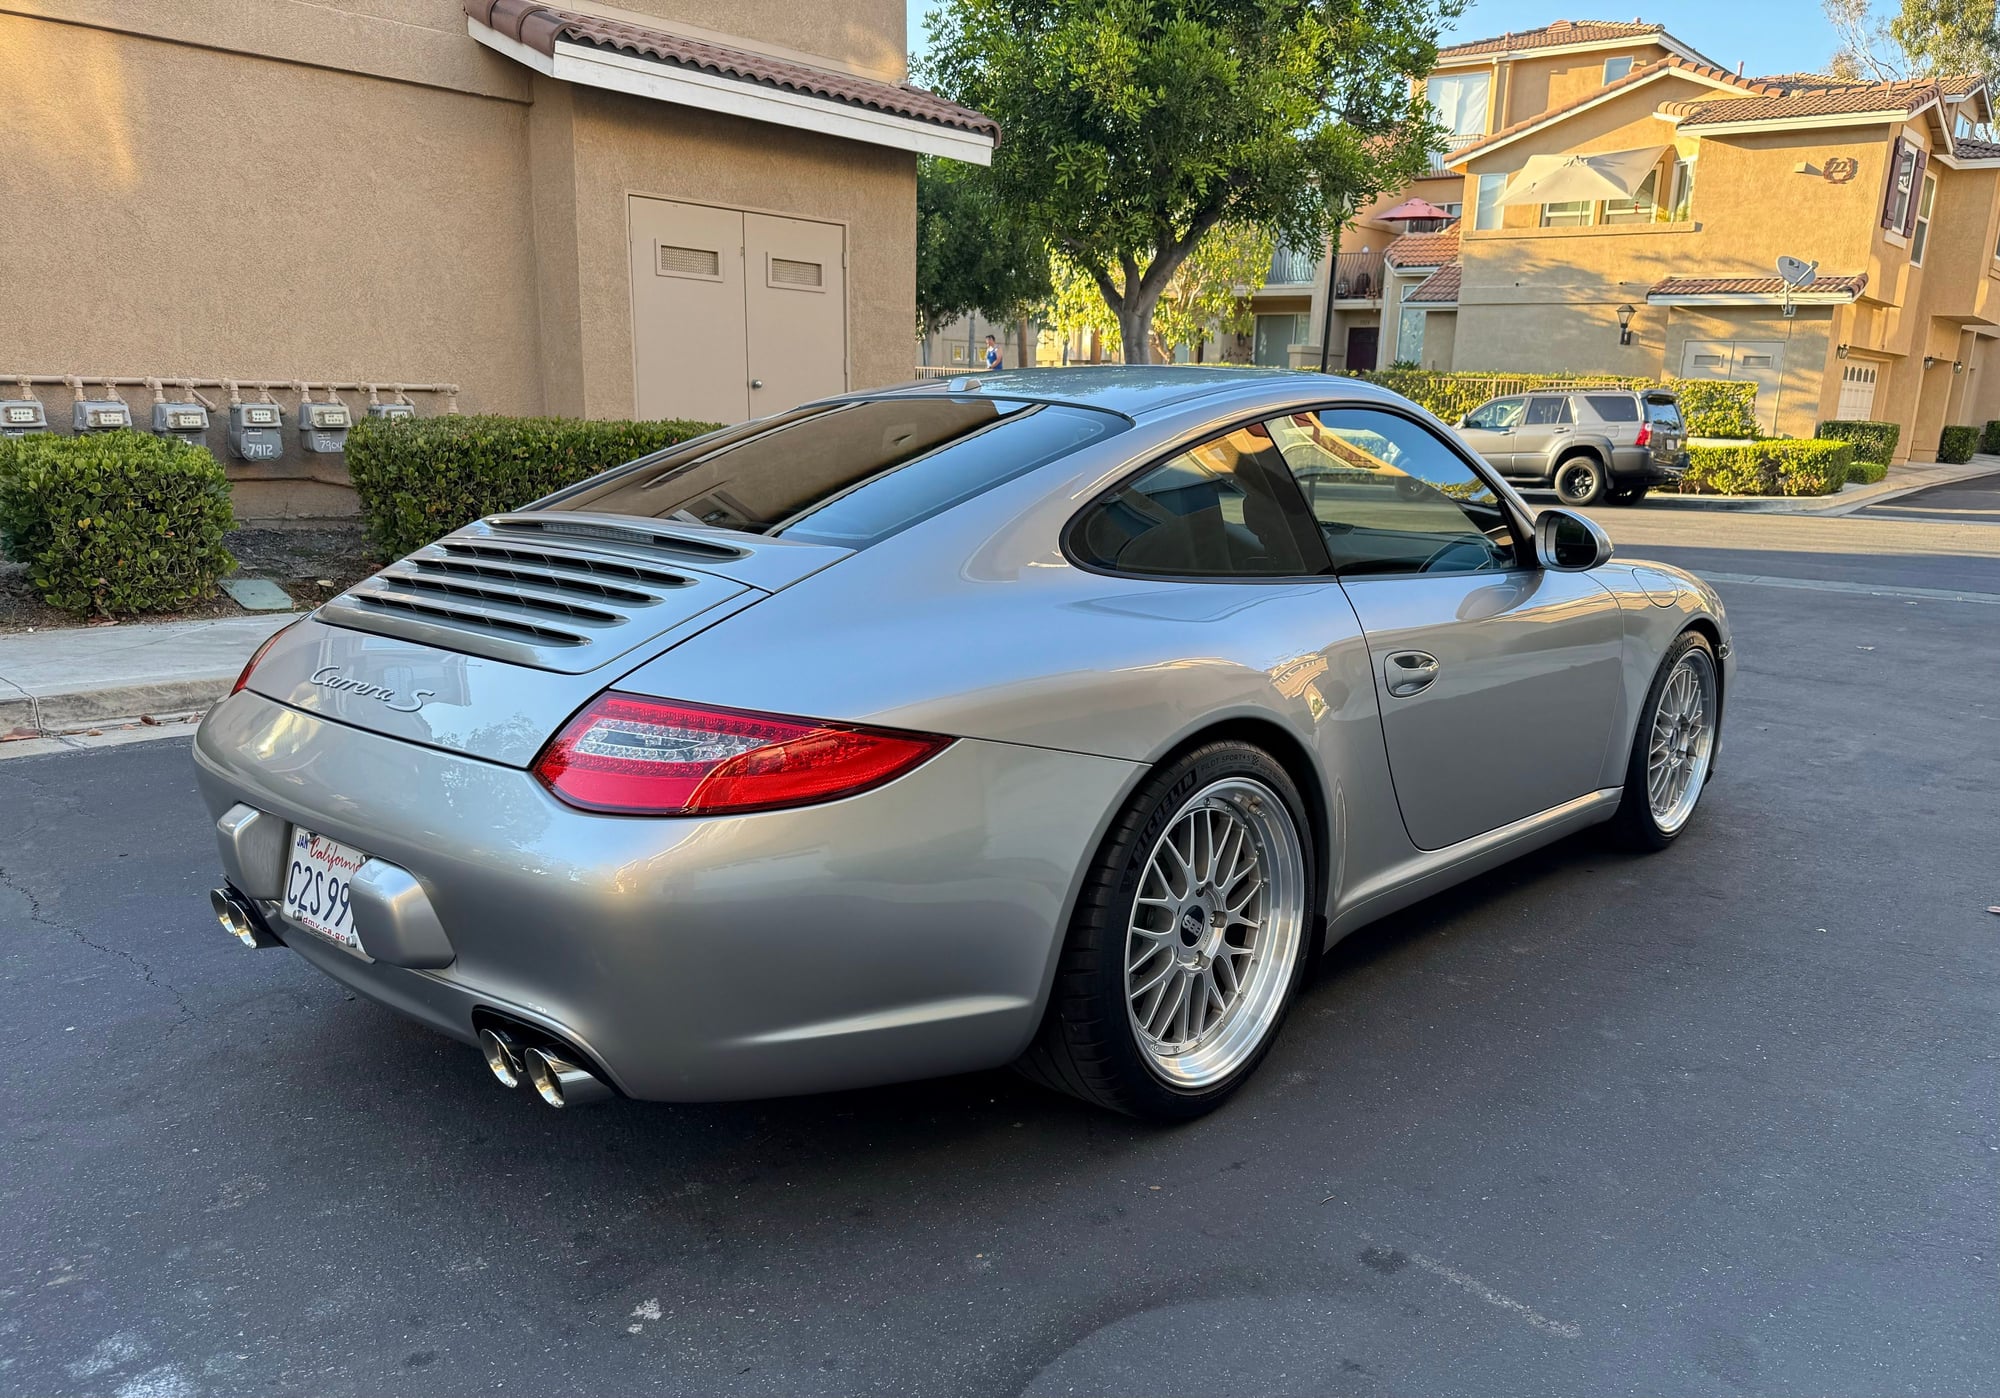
(1580, 480)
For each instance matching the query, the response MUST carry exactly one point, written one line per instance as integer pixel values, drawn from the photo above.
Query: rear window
(1663, 410)
(851, 474)
(1613, 407)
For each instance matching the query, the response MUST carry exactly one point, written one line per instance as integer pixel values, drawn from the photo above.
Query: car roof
(1138, 390)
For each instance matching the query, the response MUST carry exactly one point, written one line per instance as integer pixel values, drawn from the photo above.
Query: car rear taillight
(1645, 437)
(243, 679)
(640, 756)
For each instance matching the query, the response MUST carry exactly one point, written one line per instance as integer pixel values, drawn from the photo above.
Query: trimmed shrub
(1957, 444)
(1770, 466)
(1717, 407)
(1989, 440)
(1866, 472)
(112, 523)
(1873, 441)
(419, 478)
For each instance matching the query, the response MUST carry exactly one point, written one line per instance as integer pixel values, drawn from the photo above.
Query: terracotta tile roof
(1675, 63)
(1563, 31)
(539, 26)
(1424, 249)
(1441, 287)
(1958, 84)
(1973, 149)
(1807, 102)
(1755, 286)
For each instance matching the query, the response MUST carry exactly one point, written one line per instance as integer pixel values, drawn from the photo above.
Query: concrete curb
(59, 681)
(1845, 502)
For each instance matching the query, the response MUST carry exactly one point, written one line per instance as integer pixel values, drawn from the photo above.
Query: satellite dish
(1796, 273)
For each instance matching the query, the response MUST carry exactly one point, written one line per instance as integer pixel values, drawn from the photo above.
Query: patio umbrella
(1412, 209)
(1564, 179)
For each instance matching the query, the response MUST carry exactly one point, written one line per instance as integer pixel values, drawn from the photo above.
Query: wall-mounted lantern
(1840, 351)
(1930, 361)
(1958, 366)
(1624, 325)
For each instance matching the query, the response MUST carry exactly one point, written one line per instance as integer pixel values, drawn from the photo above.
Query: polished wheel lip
(1214, 932)
(1681, 740)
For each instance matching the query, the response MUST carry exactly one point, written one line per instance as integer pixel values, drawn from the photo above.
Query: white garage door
(1762, 362)
(1857, 392)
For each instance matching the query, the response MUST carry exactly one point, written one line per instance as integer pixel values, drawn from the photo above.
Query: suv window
(1389, 497)
(1543, 412)
(1221, 509)
(1665, 411)
(851, 474)
(1613, 407)
(1500, 413)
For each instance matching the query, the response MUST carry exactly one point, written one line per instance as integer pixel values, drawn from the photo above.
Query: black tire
(1580, 480)
(1635, 826)
(1087, 1045)
(1626, 494)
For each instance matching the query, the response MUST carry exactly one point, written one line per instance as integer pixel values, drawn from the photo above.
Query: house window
(1683, 191)
(1923, 231)
(1410, 336)
(1616, 68)
(1640, 208)
(1460, 102)
(1897, 213)
(1572, 213)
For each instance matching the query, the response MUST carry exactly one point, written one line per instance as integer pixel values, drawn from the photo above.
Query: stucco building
(1607, 173)
(585, 210)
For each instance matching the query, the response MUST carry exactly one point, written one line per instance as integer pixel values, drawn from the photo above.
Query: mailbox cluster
(256, 430)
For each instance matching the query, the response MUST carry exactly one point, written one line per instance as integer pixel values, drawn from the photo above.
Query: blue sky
(1767, 36)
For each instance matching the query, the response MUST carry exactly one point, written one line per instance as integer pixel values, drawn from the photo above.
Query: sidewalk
(1901, 480)
(62, 680)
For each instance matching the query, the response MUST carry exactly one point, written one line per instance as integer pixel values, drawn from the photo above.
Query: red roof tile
(539, 26)
(1973, 149)
(1440, 288)
(1424, 249)
(1563, 31)
(1807, 102)
(1755, 286)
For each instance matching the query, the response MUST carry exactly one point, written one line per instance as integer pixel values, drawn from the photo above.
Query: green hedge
(1710, 407)
(1989, 440)
(1866, 472)
(1771, 466)
(423, 477)
(1873, 441)
(1957, 444)
(113, 523)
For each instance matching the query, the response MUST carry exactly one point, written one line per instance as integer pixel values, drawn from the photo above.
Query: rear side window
(1613, 407)
(1543, 412)
(1665, 411)
(1219, 510)
(849, 475)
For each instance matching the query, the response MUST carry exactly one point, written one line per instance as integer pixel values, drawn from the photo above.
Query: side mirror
(1570, 543)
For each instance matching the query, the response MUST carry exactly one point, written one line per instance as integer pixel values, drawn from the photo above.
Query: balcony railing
(1452, 146)
(1357, 276)
(1291, 267)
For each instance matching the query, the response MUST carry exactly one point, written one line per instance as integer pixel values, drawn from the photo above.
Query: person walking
(992, 358)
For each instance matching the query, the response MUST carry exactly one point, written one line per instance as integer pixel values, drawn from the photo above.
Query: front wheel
(1673, 749)
(1187, 942)
(1579, 481)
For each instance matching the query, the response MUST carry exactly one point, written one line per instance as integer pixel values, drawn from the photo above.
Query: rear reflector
(1645, 437)
(641, 756)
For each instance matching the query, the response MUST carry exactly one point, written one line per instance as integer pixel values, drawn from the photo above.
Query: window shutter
(1889, 190)
(1916, 193)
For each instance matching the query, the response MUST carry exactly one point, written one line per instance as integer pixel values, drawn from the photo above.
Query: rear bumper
(904, 933)
(1638, 466)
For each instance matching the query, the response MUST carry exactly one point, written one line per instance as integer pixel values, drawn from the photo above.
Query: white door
(1857, 393)
(689, 344)
(1762, 362)
(795, 305)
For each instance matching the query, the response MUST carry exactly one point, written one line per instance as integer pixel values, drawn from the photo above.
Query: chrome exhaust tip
(561, 1083)
(503, 1056)
(239, 919)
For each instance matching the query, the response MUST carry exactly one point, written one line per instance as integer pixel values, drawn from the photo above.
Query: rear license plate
(316, 886)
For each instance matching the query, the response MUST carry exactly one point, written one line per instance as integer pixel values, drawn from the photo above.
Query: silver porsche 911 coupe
(1054, 718)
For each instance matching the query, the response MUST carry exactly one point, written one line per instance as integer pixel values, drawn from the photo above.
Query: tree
(1133, 128)
(1211, 291)
(1926, 37)
(972, 253)
(1075, 305)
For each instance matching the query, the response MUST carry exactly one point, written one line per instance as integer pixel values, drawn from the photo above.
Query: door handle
(1409, 672)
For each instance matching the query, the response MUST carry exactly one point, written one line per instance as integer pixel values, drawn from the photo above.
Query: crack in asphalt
(36, 913)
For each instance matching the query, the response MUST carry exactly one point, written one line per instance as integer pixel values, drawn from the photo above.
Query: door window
(1389, 497)
(1548, 412)
(1222, 509)
(1498, 415)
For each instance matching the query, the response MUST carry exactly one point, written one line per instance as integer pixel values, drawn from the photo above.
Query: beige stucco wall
(865, 35)
(1533, 85)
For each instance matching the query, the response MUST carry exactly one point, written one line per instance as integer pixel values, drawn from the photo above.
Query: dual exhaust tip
(240, 920)
(556, 1080)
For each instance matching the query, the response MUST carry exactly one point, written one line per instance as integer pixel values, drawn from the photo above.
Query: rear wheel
(1187, 942)
(1579, 480)
(1673, 749)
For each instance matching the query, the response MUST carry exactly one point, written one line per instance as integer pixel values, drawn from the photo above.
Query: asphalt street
(1721, 1120)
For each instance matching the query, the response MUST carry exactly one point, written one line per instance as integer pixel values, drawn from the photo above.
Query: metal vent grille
(786, 271)
(620, 533)
(690, 262)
